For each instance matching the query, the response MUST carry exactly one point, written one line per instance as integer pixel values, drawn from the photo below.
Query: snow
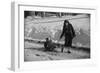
(35, 52)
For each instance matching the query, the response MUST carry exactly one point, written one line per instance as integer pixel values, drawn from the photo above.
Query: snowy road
(35, 52)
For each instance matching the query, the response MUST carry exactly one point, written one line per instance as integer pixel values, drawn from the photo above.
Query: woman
(69, 33)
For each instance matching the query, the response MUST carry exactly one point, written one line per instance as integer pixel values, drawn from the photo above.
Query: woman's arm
(63, 31)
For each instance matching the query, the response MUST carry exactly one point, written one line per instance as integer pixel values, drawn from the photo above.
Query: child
(49, 45)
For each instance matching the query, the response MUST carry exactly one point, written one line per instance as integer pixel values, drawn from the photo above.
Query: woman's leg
(69, 45)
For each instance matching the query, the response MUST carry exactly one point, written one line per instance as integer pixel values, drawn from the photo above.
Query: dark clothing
(46, 45)
(68, 41)
(49, 45)
(69, 33)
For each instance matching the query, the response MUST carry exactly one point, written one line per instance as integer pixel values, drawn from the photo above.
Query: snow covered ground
(35, 52)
